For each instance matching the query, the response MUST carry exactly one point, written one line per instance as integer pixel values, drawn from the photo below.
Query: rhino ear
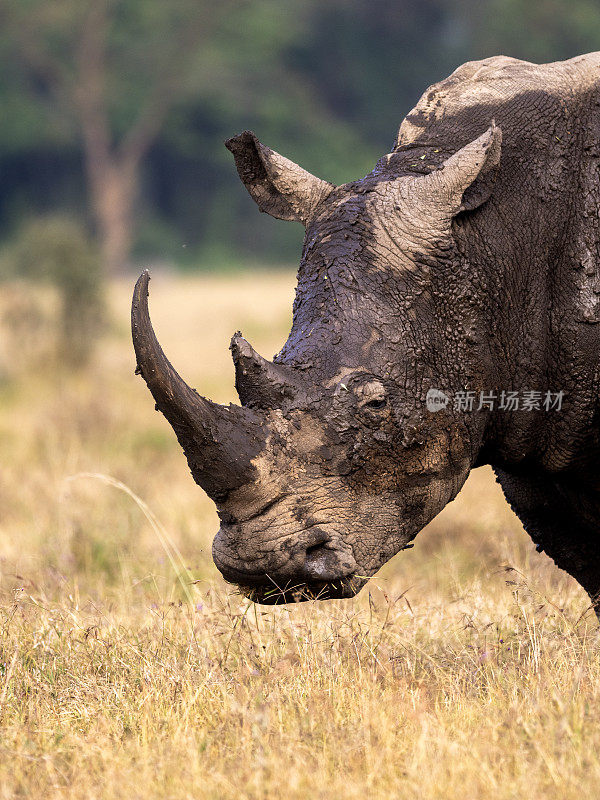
(277, 185)
(467, 178)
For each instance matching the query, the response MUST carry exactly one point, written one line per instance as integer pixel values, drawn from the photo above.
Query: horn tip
(240, 346)
(142, 282)
(141, 328)
(234, 143)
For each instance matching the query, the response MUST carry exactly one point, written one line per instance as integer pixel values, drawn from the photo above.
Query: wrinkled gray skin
(467, 260)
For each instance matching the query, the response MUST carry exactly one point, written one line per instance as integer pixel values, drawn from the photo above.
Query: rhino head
(333, 463)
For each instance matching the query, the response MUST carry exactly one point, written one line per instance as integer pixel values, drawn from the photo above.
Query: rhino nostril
(318, 562)
(324, 563)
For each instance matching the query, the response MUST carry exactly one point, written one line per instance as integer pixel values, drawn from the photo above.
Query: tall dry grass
(467, 669)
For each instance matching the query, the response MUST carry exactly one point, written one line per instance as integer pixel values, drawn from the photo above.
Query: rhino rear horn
(219, 442)
(260, 383)
(277, 185)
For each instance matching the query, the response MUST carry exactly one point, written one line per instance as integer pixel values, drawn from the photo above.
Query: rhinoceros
(447, 316)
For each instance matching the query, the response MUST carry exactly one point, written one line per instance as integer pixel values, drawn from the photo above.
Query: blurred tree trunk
(113, 192)
(113, 170)
(112, 175)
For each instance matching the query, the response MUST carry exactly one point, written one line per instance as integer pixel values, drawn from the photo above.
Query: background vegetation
(116, 111)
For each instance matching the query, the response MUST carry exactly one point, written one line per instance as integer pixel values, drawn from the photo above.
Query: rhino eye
(376, 405)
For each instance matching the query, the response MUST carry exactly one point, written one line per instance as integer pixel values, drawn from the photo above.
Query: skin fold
(466, 261)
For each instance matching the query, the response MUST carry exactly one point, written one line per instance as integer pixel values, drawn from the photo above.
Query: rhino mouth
(315, 567)
(272, 594)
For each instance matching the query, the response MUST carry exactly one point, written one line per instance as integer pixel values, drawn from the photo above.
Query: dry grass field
(468, 668)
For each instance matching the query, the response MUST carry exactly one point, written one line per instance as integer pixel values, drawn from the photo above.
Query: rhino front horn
(219, 441)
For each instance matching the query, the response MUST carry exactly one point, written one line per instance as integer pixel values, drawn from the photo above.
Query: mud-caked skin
(466, 261)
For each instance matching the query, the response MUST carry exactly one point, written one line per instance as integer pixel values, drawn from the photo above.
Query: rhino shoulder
(482, 88)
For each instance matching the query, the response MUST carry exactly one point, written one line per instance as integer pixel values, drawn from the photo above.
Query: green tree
(108, 68)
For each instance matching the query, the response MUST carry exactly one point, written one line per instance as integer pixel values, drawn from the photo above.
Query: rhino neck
(538, 323)
(533, 246)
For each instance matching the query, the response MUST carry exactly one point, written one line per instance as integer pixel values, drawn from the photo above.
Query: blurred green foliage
(326, 82)
(57, 251)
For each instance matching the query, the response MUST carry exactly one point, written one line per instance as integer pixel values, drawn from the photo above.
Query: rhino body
(465, 265)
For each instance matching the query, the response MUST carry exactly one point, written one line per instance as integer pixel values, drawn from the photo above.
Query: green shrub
(57, 251)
